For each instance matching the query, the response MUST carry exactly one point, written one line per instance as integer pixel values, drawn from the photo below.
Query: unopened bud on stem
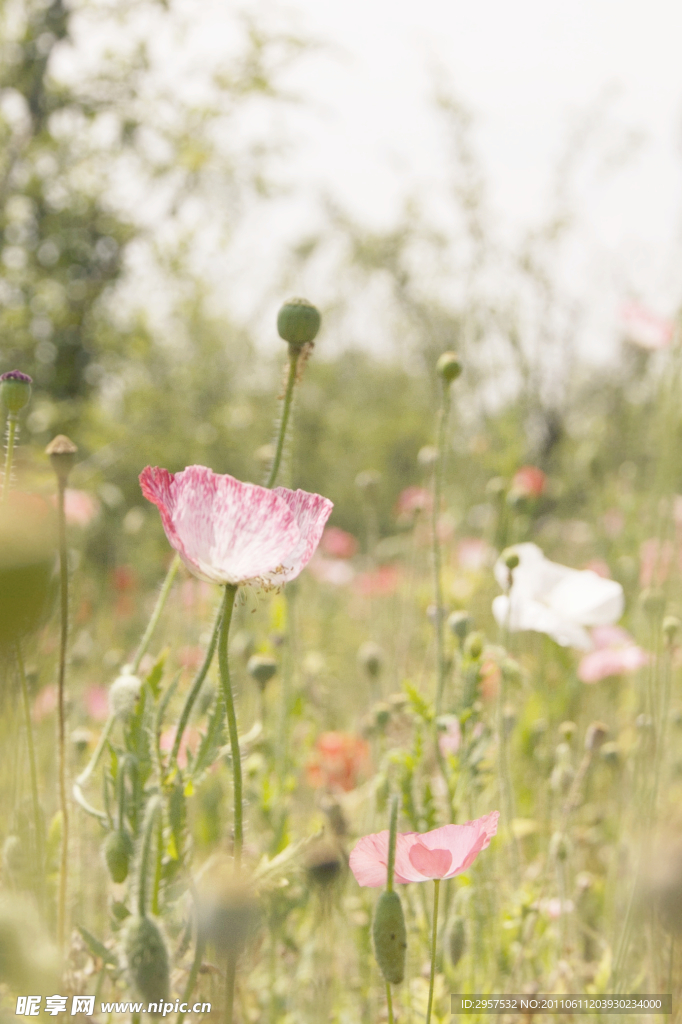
(298, 322)
(62, 452)
(15, 387)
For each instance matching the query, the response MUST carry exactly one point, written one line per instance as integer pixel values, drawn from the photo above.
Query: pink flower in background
(335, 571)
(450, 739)
(80, 507)
(191, 657)
(474, 554)
(338, 543)
(413, 500)
(599, 566)
(97, 703)
(529, 481)
(337, 761)
(227, 531)
(190, 741)
(614, 522)
(419, 857)
(655, 561)
(384, 580)
(45, 703)
(616, 654)
(646, 329)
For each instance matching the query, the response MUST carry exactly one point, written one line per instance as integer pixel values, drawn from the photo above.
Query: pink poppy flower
(419, 857)
(227, 531)
(616, 654)
(384, 580)
(644, 328)
(338, 543)
(529, 482)
(80, 508)
(335, 571)
(474, 554)
(190, 741)
(97, 703)
(413, 500)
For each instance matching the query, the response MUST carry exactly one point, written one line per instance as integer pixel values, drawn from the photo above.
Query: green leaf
(155, 676)
(96, 947)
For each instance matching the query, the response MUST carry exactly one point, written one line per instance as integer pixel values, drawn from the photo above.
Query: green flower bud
(449, 367)
(298, 322)
(371, 658)
(12, 855)
(459, 624)
(510, 559)
(261, 668)
(671, 626)
(147, 960)
(15, 387)
(62, 454)
(118, 852)
(390, 937)
(457, 940)
(473, 647)
(567, 729)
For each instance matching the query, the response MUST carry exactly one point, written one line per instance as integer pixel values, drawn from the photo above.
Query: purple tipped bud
(16, 390)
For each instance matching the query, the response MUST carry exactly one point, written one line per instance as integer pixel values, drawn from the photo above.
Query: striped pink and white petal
(227, 531)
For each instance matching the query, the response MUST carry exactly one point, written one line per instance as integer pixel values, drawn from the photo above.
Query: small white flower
(550, 598)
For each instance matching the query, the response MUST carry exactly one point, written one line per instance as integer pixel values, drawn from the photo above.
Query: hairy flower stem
(37, 817)
(61, 726)
(156, 614)
(195, 689)
(196, 964)
(12, 421)
(226, 618)
(286, 410)
(389, 1001)
(436, 552)
(153, 809)
(434, 936)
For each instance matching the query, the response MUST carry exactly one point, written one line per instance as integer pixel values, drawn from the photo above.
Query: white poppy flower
(550, 598)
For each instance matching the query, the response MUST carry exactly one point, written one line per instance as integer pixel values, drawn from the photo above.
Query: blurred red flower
(413, 500)
(338, 543)
(45, 703)
(529, 481)
(384, 580)
(337, 761)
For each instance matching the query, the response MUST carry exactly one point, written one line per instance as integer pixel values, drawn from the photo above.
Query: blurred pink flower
(441, 853)
(97, 703)
(529, 481)
(338, 543)
(646, 329)
(80, 507)
(191, 657)
(227, 531)
(614, 522)
(655, 561)
(413, 500)
(474, 553)
(616, 654)
(335, 571)
(599, 566)
(450, 740)
(554, 907)
(45, 703)
(384, 580)
(337, 761)
(190, 741)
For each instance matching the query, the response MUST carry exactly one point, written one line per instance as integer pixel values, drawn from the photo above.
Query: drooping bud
(298, 322)
(118, 852)
(147, 961)
(671, 626)
(595, 735)
(261, 668)
(390, 937)
(371, 658)
(449, 367)
(62, 453)
(15, 388)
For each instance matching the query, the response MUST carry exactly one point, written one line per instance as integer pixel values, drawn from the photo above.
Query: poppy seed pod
(459, 624)
(15, 388)
(457, 940)
(298, 322)
(147, 960)
(261, 668)
(118, 852)
(390, 937)
(62, 453)
(448, 367)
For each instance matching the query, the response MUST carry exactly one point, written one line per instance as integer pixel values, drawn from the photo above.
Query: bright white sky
(527, 70)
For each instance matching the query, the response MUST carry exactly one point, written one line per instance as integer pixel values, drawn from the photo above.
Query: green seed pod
(298, 322)
(147, 960)
(457, 941)
(459, 624)
(473, 647)
(371, 658)
(510, 559)
(390, 937)
(62, 452)
(118, 851)
(449, 367)
(15, 387)
(671, 626)
(261, 668)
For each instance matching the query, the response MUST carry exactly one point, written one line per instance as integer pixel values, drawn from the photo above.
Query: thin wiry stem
(195, 689)
(37, 816)
(434, 936)
(286, 409)
(226, 618)
(156, 614)
(437, 561)
(61, 728)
